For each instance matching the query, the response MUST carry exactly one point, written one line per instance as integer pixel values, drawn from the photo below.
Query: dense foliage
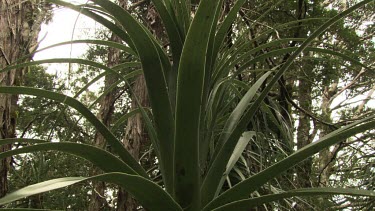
(253, 104)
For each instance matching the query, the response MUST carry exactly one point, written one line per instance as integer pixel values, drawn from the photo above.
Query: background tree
(20, 23)
(32, 168)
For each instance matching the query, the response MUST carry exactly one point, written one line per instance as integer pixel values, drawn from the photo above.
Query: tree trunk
(326, 156)
(134, 139)
(303, 132)
(98, 201)
(136, 136)
(20, 23)
(304, 137)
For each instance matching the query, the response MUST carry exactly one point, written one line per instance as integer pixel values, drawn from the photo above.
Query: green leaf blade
(244, 205)
(155, 67)
(190, 87)
(149, 194)
(100, 158)
(109, 137)
(244, 188)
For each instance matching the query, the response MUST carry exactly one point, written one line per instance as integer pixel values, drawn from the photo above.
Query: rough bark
(135, 138)
(303, 132)
(97, 200)
(136, 135)
(304, 137)
(20, 23)
(326, 156)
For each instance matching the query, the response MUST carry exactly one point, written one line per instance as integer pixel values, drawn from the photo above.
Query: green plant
(186, 96)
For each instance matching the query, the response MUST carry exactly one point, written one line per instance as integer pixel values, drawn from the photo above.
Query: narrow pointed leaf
(154, 64)
(20, 140)
(124, 118)
(237, 152)
(223, 30)
(190, 85)
(147, 193)
(175, 38)
(246, 204)
(109, 137)
(221, 154)
(100, 158)
(111, 44)
(234, 135)
(244, 188)
(104, 21)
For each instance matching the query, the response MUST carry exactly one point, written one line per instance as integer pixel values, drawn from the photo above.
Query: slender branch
(362, 105)
(347, 86)
(28, 127)
(137, 4)
(290, 100)
(5, 56)
(334, 155)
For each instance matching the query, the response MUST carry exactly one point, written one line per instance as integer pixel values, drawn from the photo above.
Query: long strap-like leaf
(104, 21)
(223, 30)
(111, 139)
(111, 44)
(147, 193)
(100, 158)
(155, 66)
(175, 37)
(244, 188)
(190, 85)
(236, 133)
(221, 157)
(21, 140)
(246, 204)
